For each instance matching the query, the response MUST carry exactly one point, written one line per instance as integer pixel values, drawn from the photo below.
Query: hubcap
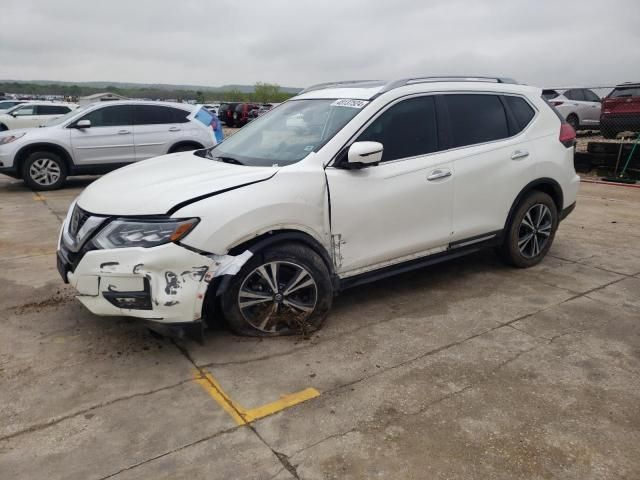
(535, 230)
(44, 171)
(278, 295)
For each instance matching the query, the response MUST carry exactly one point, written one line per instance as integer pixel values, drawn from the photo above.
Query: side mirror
(83, 124)
(366, 153)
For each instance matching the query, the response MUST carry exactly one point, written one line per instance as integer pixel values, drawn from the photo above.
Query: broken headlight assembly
(125, 233)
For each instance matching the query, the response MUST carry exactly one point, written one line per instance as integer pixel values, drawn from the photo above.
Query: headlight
(11, 138)
(123, 233)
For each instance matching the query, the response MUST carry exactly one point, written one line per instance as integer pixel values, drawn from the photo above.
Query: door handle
(174, 129)
(518, 154)
(124, 132)
(438, 174)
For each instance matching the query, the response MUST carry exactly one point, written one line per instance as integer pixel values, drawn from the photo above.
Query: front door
(109, 139)
(401, 208)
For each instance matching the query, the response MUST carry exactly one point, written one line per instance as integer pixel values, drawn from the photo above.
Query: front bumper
(165, 284)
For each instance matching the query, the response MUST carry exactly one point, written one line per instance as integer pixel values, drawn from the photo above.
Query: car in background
(621, 110)
(212, 107)
(8, 104)
(580, 107)
(33, 114)
(241, 113)
(101, 137)
(225, 113)
(259, 111)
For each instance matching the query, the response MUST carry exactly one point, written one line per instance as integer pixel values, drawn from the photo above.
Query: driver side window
(24, 111)
(113, 116)
(407, 129)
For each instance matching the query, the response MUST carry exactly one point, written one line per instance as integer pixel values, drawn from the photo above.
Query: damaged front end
(137, 267)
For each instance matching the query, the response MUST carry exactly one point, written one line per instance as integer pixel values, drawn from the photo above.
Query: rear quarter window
(521, 110)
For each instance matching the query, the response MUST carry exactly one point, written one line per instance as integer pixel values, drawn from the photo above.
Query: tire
(516, 250)
(185, 148)
(606, 133)
(3, 127)
(573, 121)
(44, 171)
(260, 311)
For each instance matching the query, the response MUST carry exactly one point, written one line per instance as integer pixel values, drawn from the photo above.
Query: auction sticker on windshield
(349, 102)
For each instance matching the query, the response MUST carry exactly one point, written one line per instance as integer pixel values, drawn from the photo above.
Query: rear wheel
(284, 290)
(187, 147)
(44, 171)
(531, 231)
(3, 127)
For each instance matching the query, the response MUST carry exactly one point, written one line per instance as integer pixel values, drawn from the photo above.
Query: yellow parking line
(38, 197)
(243, 416)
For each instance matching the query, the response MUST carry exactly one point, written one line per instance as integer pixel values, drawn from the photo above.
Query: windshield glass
(65, 117)
(288, 133)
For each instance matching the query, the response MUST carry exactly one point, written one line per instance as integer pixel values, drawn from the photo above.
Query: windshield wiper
(229, 160)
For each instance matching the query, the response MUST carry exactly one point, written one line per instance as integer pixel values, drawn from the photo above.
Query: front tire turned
(284, 290)
(44, 171)
(531, 231)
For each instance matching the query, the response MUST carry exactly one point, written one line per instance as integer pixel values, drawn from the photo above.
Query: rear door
(491, 158)
(157, 128)
(44, 113)
(593, 106)
(108, 140)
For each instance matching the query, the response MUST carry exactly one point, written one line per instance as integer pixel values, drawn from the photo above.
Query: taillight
(567, 135)
(555, 103)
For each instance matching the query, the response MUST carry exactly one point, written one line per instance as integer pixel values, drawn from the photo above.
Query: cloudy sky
(296, 43)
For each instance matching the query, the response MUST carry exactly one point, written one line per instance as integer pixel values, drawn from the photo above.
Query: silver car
(580, 107)
(101, 137)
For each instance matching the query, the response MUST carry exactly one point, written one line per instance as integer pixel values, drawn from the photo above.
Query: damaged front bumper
(164, 284)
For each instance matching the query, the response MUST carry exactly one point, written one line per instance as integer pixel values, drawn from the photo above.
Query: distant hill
(155, 86)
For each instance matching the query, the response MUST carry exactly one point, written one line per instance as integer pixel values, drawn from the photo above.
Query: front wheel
(44, 171)
(531, 231)
(284, 290)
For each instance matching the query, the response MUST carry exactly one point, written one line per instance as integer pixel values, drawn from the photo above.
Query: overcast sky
(296, 43)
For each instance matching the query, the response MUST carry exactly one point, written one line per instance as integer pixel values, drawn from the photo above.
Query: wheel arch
(24, 152)
(547, 185)
(210, 305)
(185, 143)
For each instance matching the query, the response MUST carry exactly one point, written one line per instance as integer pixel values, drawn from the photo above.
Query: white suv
(344, 184)
(101, 137)
(32, 114)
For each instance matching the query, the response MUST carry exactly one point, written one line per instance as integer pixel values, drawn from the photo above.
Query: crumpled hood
(157, 185)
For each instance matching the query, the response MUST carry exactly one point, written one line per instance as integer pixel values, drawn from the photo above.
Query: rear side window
(476, 118)
(549, 94)
(52, 110)
(156, 115)
(521, 110)
(574, 94)
(115, 116)
(590, 96)
(406, 129)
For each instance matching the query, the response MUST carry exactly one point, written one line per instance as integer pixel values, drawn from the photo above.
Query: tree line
(263, 92)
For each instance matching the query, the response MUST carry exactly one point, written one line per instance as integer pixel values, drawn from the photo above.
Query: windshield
(288, 133)
(65, 117)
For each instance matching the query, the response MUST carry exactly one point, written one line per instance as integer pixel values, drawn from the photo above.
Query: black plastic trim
(531, 186)
(565, 212)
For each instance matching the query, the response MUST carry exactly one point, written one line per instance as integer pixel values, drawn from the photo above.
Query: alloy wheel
(277, 295)
(45, 172)
(534, 230)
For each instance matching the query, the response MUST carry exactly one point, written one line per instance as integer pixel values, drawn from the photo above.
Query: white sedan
(33, 114)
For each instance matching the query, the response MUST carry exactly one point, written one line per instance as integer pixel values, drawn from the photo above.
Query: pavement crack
(177, 449)
(43, 199)
(55, 421)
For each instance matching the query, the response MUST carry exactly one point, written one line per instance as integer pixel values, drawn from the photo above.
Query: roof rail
(345, 83)
(444, 78)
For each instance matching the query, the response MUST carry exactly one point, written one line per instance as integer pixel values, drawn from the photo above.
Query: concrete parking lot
(468, 369)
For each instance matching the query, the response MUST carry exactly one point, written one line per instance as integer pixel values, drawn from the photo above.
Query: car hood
(157, 185)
